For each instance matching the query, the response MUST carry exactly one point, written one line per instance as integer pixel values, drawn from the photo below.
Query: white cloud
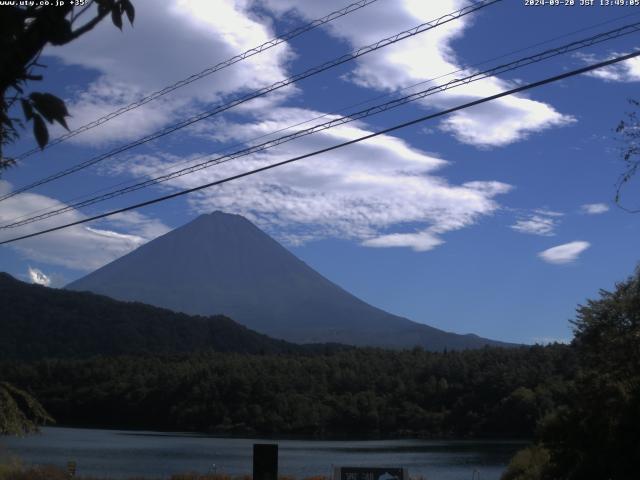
(144, 227)
(548, 213)
(502, 121)
(566, 253)
(358, 192)
(80, 247)
(541, 222)
(419, 241)
(624, 72)
(38, 277)
(535, 225)
(170, 40)
(595, 208)
(103, 97)
(132, 241)
(430, 55)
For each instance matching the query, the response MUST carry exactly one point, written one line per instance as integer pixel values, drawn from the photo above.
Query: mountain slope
(39, 322)
(223, 264)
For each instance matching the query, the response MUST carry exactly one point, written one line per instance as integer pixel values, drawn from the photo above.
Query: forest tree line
(492, 391)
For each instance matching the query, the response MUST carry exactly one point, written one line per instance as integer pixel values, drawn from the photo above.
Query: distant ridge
(223, 264)
(39, 322)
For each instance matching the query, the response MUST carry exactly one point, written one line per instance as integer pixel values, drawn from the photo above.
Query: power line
(522, 88)
(206, 72)
(538, 57)
(258, 93)
(342, 109)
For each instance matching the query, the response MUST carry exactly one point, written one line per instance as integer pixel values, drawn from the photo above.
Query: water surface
(120, 454)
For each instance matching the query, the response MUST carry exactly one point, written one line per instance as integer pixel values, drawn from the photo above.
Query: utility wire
(334, 112)
(206, 72)
(522, 88)
(538, 57)
(258, 93)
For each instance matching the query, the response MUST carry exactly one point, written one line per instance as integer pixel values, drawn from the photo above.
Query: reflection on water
(119, 454)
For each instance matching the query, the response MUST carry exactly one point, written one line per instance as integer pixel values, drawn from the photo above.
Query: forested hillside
(39, 322)
(491, 391)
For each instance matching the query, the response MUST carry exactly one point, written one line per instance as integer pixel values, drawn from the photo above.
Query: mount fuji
(223, 264)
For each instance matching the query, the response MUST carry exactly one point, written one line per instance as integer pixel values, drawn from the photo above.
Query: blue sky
(496, 220)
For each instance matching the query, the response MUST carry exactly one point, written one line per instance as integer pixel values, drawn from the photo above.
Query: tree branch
(87, 27)
(81, 12)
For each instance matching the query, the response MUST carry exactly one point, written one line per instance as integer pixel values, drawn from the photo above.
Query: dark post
(71, 469)
(265, 461)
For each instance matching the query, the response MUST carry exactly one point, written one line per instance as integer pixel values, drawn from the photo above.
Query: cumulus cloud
(80, 247)
(171, 39)
(624, 72)
(128, 67)
(594, 208)
(502, 121)
(540, 222)
(358, 192)
(566, 253)
(430, 55)
(38, 277)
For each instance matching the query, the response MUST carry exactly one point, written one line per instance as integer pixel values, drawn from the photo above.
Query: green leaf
(116, 17)
(40, 131)
(129, 10)
(4, 119)
(6, 163)
(104, 5)
(60, 31)
(63, 122)
(51, 107)
(27, 108)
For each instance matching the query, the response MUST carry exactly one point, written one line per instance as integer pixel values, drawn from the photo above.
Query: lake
(120, 453)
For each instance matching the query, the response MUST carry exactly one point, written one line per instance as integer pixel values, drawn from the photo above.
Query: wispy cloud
(536, 225)
(566, 253)
(80, 247)
(362, 192)
(540, 222)
(594, 208)
(624, 72)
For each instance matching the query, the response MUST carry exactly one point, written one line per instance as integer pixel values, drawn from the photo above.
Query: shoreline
(141, 431)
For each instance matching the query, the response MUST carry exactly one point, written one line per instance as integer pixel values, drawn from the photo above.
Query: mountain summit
(223, 264)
